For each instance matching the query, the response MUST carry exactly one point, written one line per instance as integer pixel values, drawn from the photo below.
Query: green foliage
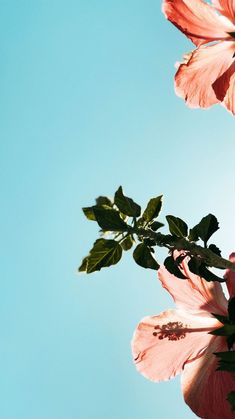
(226, 330)
(103, 201)
(207, 226)
(126, 205)
(127, 243)
(207, 274)
(231, 310)
(171, 266)
(231, 399)
(153, 209)
(103, 254)
(226, 361)
(193, 235)
(109, 219)
(121, 219)
(222, 319)
(177, 226)
(143, 257)
(155, 225)
(215, 249)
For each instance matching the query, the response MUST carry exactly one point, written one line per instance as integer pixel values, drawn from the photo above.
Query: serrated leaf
(172, 267)
(104, 200)
(231, 399)
(126, 205)
(109, 219)
(153, 209)
(207, 226)
(127, 243)
(231, 310)
(103, 254)
(143, 257)
(155, 225)
(83, 266)
(177, 226)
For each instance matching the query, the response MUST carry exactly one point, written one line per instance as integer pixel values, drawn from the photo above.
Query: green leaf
(109, 219)
(194, 265)
(172, 267)
(226, 361)
(103, 200)
(153, 209)
(177, 226)
(143, 257)
(126, 205)
(207, 226)
(83, 266)
(222, 319)
(231, 399)
(226, 330)
(230, 341)
(231, 310)
(208, 275)
(127, 243)
(193, 235)
(215, 249)
(89, 213)
(104, 253)
(155, 225)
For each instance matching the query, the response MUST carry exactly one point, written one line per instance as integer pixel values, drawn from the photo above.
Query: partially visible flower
(178, 341)
(207, 75)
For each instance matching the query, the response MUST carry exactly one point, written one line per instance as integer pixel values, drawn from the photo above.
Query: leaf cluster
(123, 224)
(119, 219)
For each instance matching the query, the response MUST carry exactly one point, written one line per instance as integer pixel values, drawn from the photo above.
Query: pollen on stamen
(172, 331)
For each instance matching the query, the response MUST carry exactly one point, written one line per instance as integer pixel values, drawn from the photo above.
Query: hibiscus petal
(162, 344)
(205, 389)
(194, 293)
(229, 80)
(195, 77)
(226, 8)
(197, 20)
(222, 85)
(230, 282)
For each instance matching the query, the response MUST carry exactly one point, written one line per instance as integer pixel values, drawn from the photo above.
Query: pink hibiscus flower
(207, 75)
(179, 341)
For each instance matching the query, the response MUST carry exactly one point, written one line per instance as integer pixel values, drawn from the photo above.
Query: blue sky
(87, 104)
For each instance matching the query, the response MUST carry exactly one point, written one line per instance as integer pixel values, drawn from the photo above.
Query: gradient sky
(88, 104)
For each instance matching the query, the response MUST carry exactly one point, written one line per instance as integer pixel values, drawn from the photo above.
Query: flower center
(170, 331)
(177, 330)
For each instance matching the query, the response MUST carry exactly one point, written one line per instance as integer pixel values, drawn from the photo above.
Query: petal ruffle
(226, 8)
(205, 389)
(197, 20)
(201, 69)
(194, 294)
(162, 344)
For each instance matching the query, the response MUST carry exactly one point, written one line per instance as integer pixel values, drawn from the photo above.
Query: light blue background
(87, 104)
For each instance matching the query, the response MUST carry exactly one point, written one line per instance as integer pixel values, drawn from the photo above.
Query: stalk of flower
(207, 74)
(180, 340)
